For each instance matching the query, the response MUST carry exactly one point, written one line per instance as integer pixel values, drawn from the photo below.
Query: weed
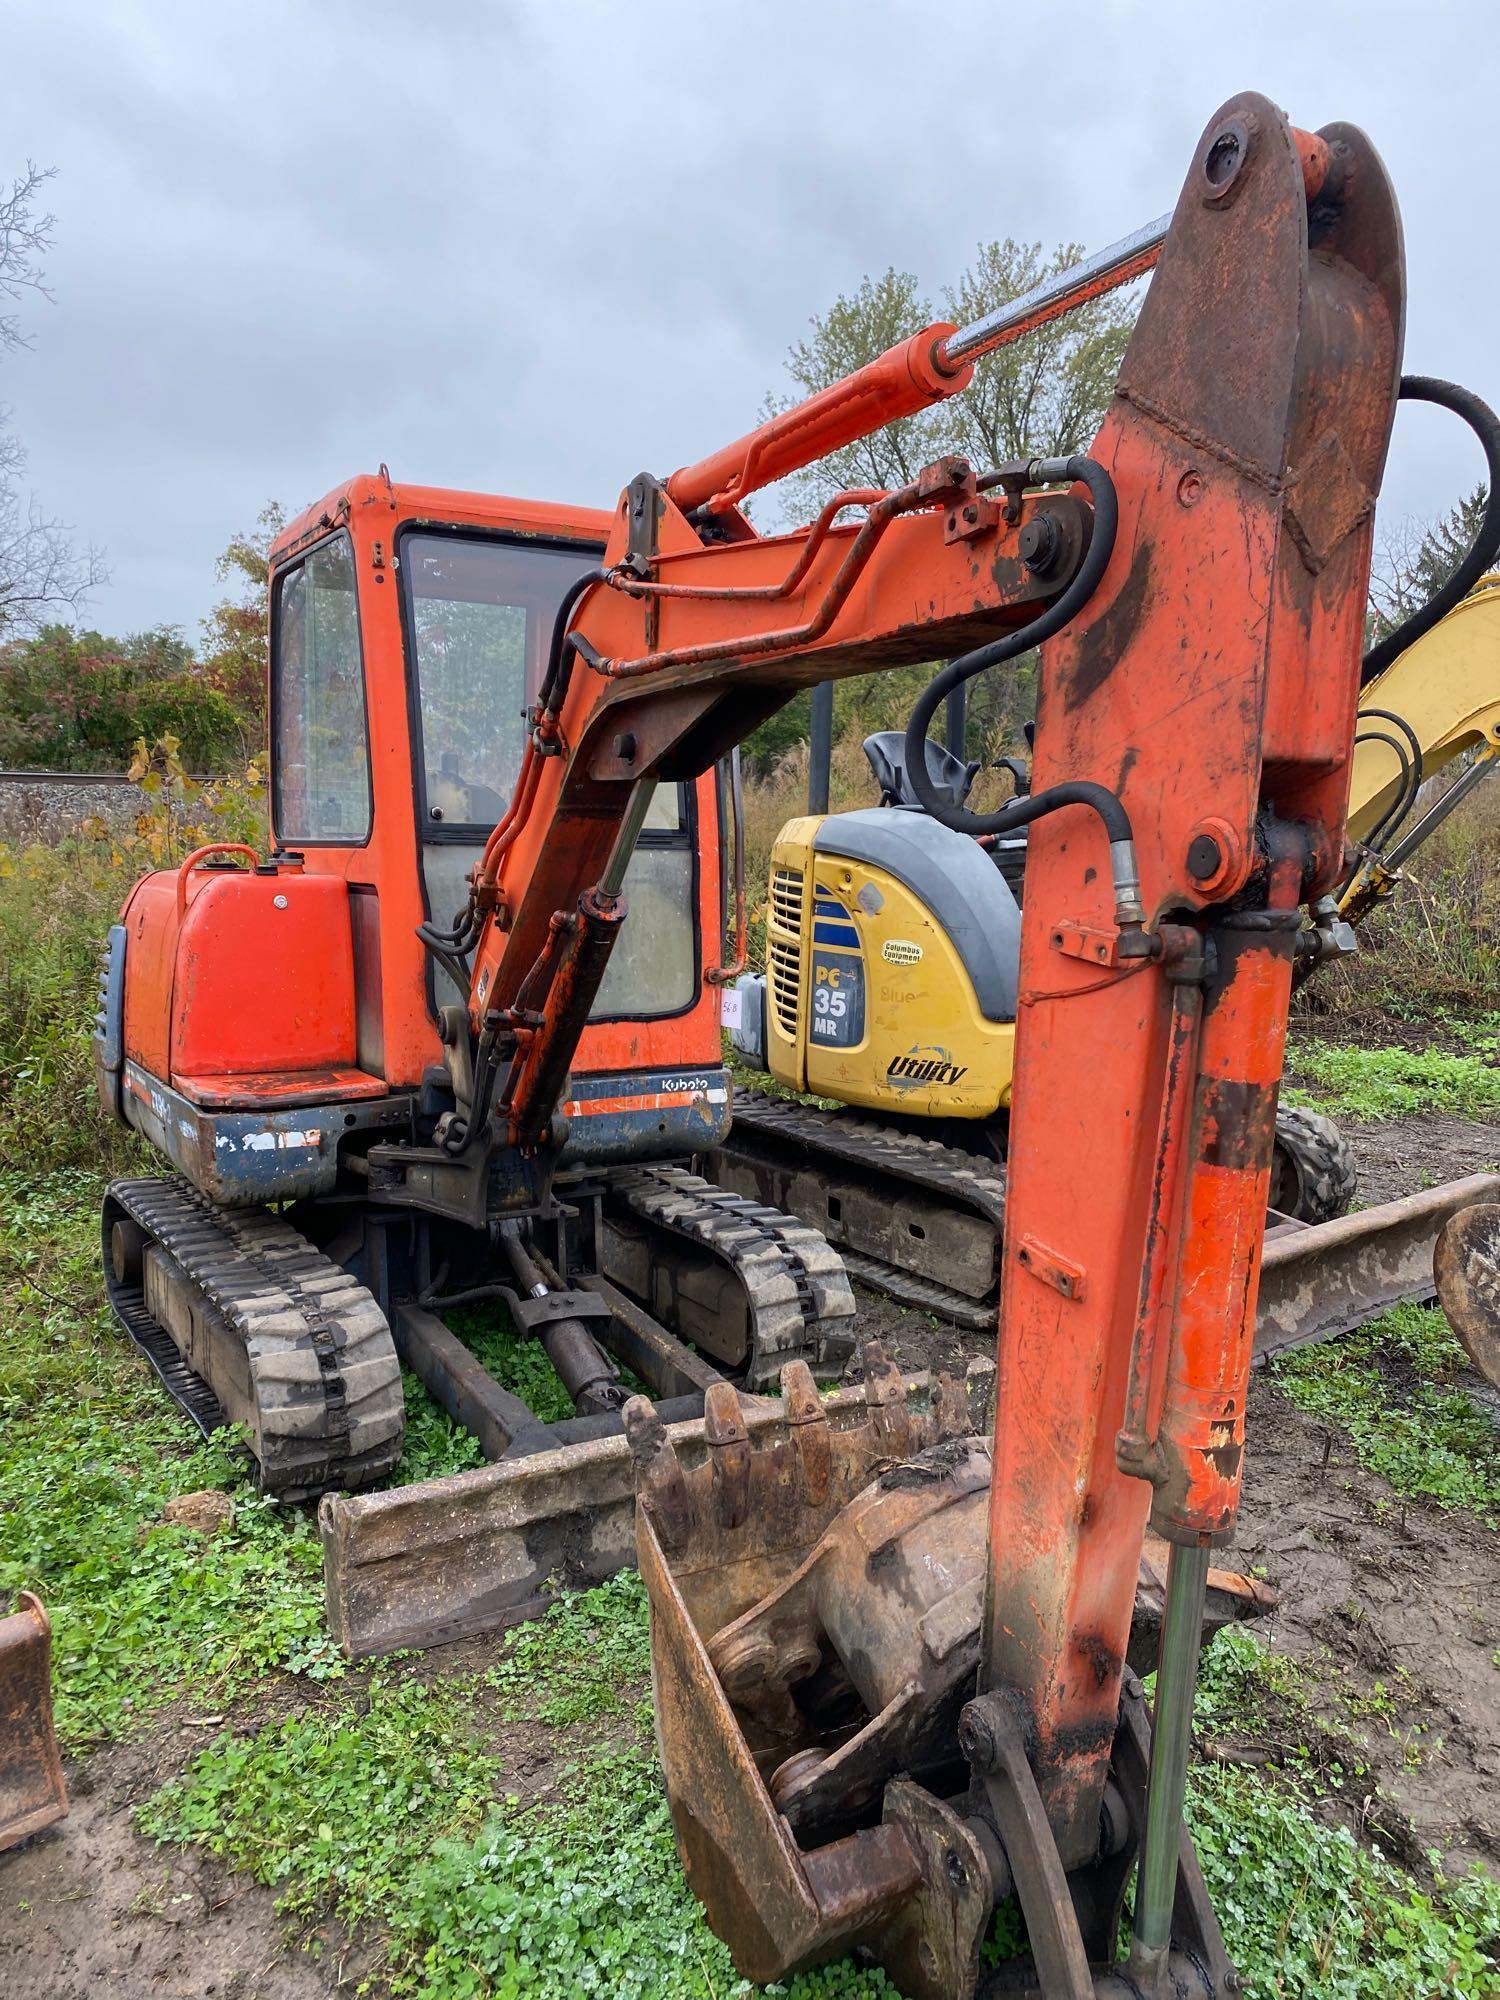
(1387, 1385)
(1309, 1914)
(390, 1816)
(582, 1659)
(57, 905)
(1432, 954)
(1395, 1083)
(517, 1362)
(335, 1807)
(434, 1445)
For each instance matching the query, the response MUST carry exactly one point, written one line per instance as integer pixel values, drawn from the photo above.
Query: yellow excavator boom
(1445, 689)
(1447, 686)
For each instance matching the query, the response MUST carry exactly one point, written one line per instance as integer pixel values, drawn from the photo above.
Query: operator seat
(952, 779)
(949, 776)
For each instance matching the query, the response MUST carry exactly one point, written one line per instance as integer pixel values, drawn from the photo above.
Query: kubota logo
(919, 1067)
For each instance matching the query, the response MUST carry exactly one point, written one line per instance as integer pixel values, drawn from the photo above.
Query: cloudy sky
(533, 246)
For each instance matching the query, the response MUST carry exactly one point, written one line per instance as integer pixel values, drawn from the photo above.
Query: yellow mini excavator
(892, 953)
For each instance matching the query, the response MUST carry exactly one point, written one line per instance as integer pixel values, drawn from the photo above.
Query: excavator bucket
(1466, 1270)
(815, 1630)
(31, 1781)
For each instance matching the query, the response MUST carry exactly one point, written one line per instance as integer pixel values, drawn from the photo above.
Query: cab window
(479, 617)
(322, 757)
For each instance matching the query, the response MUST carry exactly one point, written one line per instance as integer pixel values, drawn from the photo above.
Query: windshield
(480, 615)
(481, 621)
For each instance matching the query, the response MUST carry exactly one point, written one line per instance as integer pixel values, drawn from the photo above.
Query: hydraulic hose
(1485, 547)
(1020, 812)
(1410, 760)
(559, 653)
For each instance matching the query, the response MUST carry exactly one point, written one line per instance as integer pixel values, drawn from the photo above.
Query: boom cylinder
(928, 367)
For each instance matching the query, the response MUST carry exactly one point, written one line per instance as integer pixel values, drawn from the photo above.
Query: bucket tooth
(659, 1481)
(728, 1454)
(809, 1429)
(950, 1408)
(885, 1393)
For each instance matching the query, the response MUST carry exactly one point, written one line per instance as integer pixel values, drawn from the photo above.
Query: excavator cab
(409, 628)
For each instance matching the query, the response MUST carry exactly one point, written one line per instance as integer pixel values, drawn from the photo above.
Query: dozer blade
(31, 1781)
(472, 1552)
(815, 1631)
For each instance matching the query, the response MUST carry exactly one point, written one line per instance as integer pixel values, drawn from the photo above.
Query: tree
(1413, 562)
(42, 573)
(78, 701)
(1045, 395)
(236, 632)
(849, 335)
(1042, 395)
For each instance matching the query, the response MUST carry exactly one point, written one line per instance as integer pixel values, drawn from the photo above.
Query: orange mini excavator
(284, 1032)
(890, 1661)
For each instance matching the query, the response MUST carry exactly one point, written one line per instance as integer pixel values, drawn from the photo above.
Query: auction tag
(731, 1008)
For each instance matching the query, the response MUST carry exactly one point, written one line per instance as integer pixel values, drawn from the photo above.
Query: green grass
(401, 1799)
(1305, 1909)
(587, 1659)
(435, 1445)
(1309, 1914)
(1396, 1083)
(395, 1816)
(90, 1453)
(1389, 1386)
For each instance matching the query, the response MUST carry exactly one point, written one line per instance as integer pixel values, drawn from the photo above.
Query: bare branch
(25, 237)
(43, 575)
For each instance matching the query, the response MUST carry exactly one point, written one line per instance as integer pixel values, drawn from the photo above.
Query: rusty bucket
(815, 1631)
(31, 1781)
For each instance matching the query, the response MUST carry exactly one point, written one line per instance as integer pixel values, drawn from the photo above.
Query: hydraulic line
(1485, 547)
(1020, 812)
(1406, 791)
(559, 653)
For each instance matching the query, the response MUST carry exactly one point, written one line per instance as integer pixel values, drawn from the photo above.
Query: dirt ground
(1400, 1155)
(1374, 1592)
(93, 1907)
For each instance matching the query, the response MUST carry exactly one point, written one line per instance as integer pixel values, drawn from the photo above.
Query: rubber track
(947, 1173)
(960, 1178)
(907, 1289)
(801, 1306)
(305, 1357)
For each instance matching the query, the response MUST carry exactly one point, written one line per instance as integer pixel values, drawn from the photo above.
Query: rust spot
(1225, 1459)
(1239, 1125)
(1104, 1662)
(1106, 640)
